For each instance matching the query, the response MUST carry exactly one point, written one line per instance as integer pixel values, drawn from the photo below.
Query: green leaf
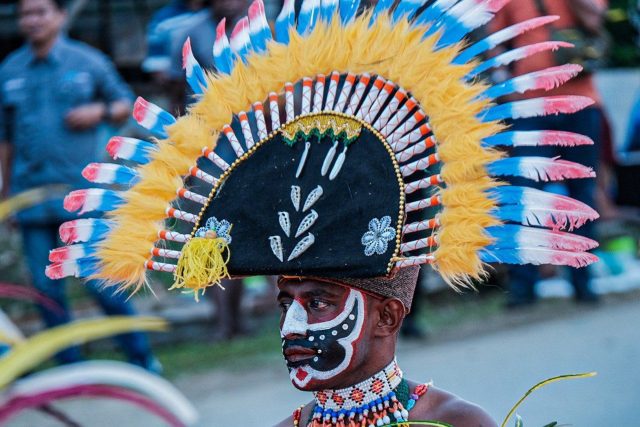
(553, 424)
(540, 385)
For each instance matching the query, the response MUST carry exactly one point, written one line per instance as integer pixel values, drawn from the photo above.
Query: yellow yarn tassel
(202, 263)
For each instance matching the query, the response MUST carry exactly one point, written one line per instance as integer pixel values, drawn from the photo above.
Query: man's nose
(295, 321)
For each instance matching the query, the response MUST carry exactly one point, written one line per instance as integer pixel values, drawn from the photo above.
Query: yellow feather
(396, 52)
(28, 354)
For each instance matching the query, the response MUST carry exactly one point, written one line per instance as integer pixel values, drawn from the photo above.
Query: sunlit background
(471, 343)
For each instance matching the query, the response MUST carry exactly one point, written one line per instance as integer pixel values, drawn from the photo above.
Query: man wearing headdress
(355, 366)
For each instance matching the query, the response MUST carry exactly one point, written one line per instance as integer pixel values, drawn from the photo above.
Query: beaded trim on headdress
(402, 75)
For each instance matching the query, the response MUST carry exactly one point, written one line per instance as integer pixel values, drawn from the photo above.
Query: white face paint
(296, 321)
(332, 341)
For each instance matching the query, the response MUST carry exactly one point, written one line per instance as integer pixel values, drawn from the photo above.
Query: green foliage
(625, 51)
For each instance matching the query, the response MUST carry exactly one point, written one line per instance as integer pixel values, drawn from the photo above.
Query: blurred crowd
(61, 98)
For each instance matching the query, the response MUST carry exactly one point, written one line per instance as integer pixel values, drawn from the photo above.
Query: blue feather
(433, 12)
(492, 254)
(285, 21)
(509, 166)
(222, 55)
(135, 150)
(472, 51)
(511, 194)
(381, 7)
(85, 230)
(406, 9)
(348, 10)
(328, 10)
(308, 16)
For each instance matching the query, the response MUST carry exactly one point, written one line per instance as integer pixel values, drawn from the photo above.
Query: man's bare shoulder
(288, 422)
(439, 405)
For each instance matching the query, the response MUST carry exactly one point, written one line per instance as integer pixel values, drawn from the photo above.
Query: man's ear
(390, 314)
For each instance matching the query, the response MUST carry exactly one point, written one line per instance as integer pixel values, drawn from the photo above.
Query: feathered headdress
(303, 156)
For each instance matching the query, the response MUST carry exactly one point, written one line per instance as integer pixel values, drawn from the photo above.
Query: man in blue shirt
(54, 92)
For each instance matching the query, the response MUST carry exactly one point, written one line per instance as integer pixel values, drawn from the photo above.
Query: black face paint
(331, 342)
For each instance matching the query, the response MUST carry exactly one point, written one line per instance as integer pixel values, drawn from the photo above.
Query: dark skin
(383, 318)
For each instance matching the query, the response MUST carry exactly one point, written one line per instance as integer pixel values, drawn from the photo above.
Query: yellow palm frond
(30, 353)
(28, 198)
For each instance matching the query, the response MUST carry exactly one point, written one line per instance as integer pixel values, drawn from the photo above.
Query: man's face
(323, 330)
(40, 21)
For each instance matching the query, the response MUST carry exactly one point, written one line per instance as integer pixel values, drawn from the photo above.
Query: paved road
(492, 369)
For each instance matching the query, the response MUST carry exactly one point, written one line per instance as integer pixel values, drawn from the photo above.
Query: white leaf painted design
(307, 222)
(295, 197)
(329, 158)
(302, 246)
(285, 223)
(303, 159)
(276, 247)
(338, 165)
(312, 198)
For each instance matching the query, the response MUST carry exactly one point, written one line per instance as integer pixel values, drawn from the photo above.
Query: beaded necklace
(377, 401)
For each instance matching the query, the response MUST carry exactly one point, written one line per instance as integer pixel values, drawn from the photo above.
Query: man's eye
(284, 305)
(318, 304)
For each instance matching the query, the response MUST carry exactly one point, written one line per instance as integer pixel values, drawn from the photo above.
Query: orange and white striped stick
(416, 149)
(233, 140)
(423, 204)
(421, 164)
(373, 93)
(274, 109)
(318, 93)
(386, 114)
(261, 124)
(190, 195)
(345, 92)
(414, 227)
(246, 129)
(202, 175)
(423, 183)
(382, 97)
(428, 242)
(217, 160)
(333, 90)
(355, 99)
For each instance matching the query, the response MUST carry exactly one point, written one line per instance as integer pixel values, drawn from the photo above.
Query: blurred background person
(580, 20)
(54, 94)
(161, 30)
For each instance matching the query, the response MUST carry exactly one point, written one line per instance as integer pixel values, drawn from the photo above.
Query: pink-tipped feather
(565, 139)
(75, 200)
(554, 77)
(186, 53)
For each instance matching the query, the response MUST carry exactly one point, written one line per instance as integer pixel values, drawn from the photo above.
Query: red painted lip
(296, 354)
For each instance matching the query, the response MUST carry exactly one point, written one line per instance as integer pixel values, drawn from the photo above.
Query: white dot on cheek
(321, 337)
(352, 316)
(345, 326)
(311, 338)
(334, 333)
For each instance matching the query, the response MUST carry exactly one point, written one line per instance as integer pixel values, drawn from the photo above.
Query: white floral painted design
(222, 229)
(376, 240)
